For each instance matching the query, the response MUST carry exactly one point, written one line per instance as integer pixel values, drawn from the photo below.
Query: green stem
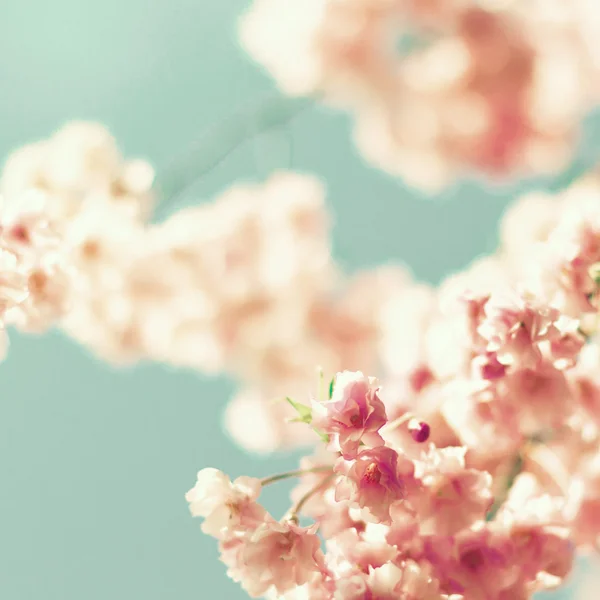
(290, 474)
(514, 472)
(292, 515)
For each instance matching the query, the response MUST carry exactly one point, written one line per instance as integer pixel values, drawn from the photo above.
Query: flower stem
(514, 472)
(290, 474)
(292, 514)
(399, 421)
(321, 391)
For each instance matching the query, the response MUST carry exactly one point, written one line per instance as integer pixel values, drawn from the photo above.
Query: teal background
(95, 461)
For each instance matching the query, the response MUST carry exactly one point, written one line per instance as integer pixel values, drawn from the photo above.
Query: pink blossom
(361, 550)
(584, 502)
(477, 563)
(420, 378)
(583, 252)
(527, 221)
(515, 327)
(37, 277)
(226, 507)
(331, 515)
(545, 554)
(454, 496)
(49, 286)
(565, 348)
(374, 480)
(322, 504)
(585, 383)
(273, 555)
(557, 269)
(77, 166)
(492, 563)
(353, 415)
(482, 420)
(13, 282)
(485, 93)
(354, 586)
(489, 367)
(528, 503)
(541, 396)
(403, 406)
(348, 322)
(406, 580)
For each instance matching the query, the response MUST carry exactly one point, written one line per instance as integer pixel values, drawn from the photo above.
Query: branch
(221, 140)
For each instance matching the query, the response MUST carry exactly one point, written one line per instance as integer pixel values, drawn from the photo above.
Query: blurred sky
(94, 461)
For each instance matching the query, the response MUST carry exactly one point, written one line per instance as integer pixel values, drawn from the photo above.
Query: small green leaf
(304, 412)
(331, 384)
(305, 416)
(324, 437)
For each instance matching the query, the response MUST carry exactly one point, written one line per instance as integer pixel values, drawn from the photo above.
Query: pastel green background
(95, 461)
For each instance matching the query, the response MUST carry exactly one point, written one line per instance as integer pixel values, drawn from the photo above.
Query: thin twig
(290, 474)
(221, 140)
(514, 472)
(292, 514)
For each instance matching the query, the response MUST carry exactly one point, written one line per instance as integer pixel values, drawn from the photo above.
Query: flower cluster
(197, 289)
(494, 345)
(438, 89)
(35, 272)
(244, 283)
(64, 200)
(394, 516)
(472, 471)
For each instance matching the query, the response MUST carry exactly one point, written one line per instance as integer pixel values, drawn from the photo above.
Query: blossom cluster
(440, 89)
(195, 290)
(466, 465)
(393, 515)
(64, 201)
(244, 283)
(34, 271)
(472, 470)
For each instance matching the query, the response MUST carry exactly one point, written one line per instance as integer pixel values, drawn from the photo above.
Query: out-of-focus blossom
(36, 273)
(455, 497)
(261, 422)
(439, 89)
(78, 166)
(226, 285)
(67, 199)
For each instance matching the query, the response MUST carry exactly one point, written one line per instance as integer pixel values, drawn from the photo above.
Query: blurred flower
(493, 88)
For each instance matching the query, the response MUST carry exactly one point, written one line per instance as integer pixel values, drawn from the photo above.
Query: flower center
(372, 474)
(355, 420)
(472, 559)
